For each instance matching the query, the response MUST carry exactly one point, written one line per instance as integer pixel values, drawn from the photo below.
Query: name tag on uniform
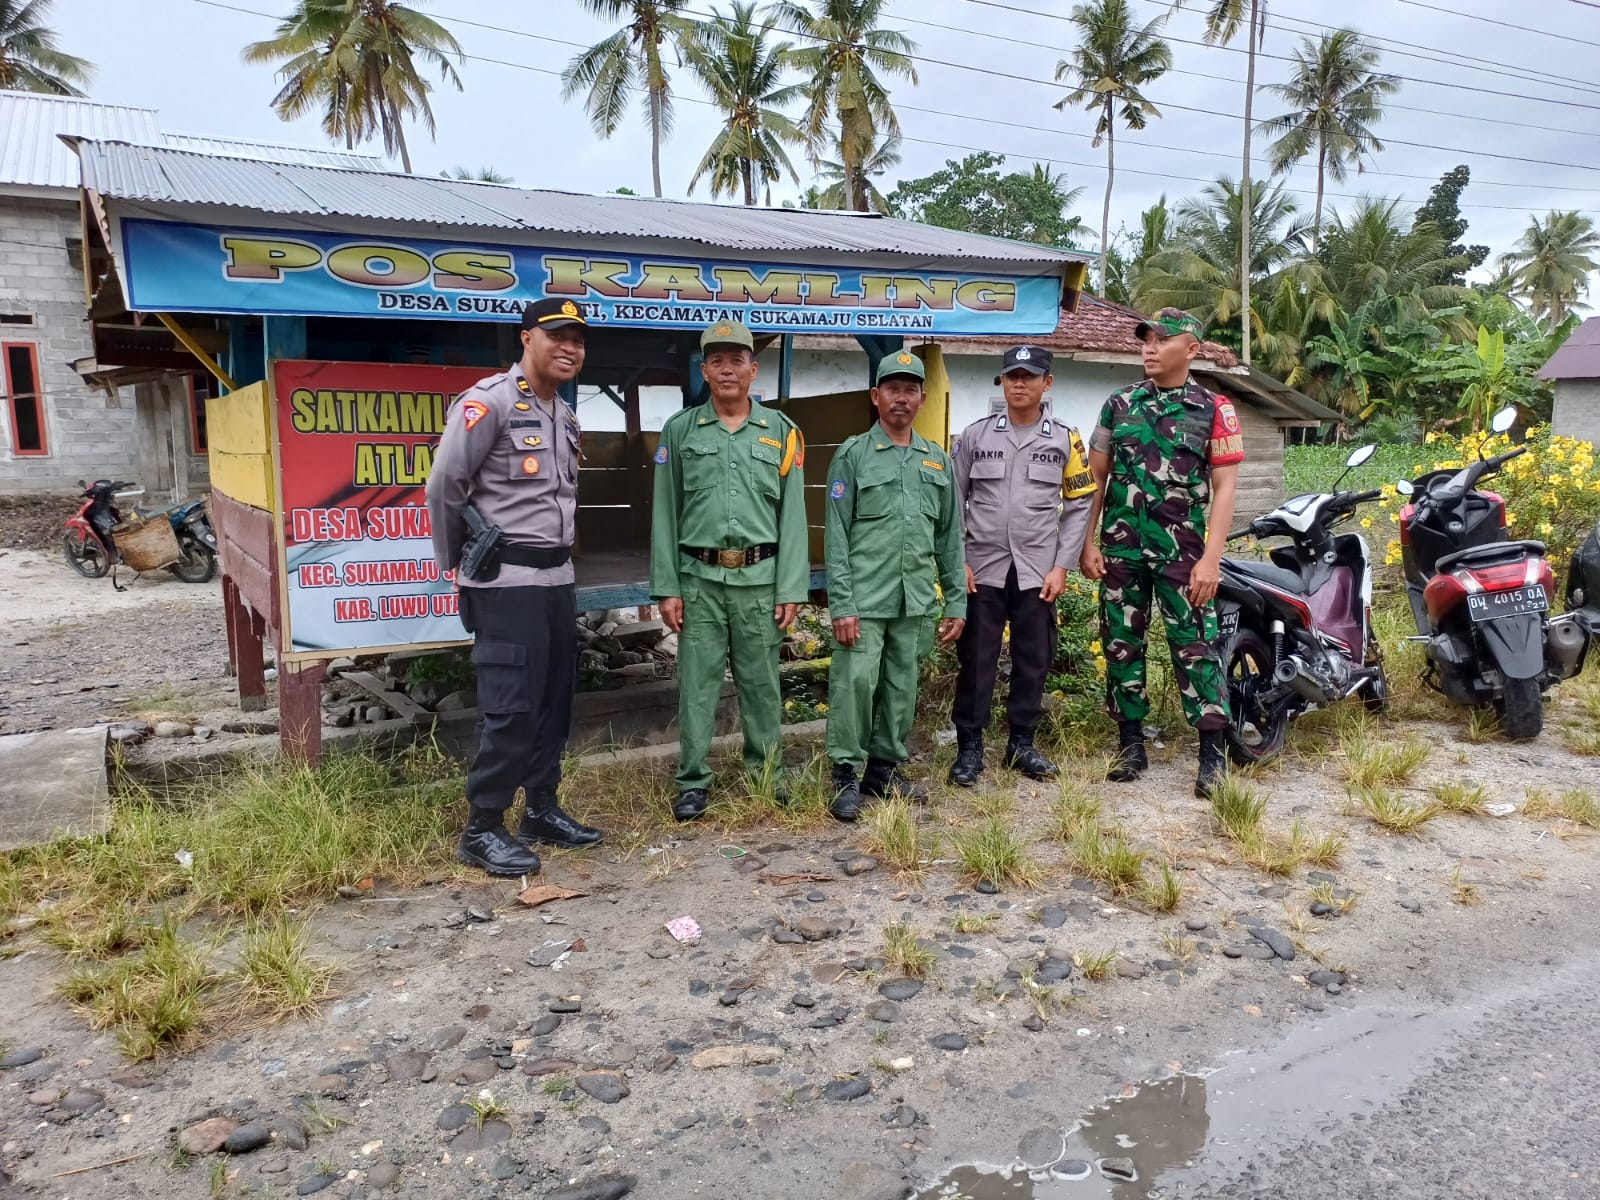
(937, 466)
(775, 444)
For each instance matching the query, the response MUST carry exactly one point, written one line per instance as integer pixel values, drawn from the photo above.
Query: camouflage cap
(901, 362)
(727, 333)
(1168, 323)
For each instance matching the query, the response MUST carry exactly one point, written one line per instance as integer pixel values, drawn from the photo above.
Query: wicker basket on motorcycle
(146, 545)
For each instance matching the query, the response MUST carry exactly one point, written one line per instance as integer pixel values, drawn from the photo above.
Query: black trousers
(526, 657)
(1033, 649)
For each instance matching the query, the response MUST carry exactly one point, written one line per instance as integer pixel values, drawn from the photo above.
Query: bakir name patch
(661, 455)
(473, 412)
(773, 442)
(530, 465)
(937, 466)
(837, 490)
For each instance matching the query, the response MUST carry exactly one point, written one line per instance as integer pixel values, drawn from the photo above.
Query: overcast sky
(182, 57)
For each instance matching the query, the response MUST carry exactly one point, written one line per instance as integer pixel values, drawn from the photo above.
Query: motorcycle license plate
(1487, 606)
(1228, 623)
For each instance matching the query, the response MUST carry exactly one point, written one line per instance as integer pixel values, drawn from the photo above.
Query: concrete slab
(53, 785)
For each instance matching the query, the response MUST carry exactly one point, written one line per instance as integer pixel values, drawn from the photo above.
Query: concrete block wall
(88, 433)
(1577, 409)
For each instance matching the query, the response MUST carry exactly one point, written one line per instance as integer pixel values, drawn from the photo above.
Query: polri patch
(473, 412)
(837, 490)
(661, 454)
(530, 465)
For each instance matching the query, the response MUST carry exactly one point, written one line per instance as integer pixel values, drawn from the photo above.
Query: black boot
(1213, 762)
(1130, 762)
(487, 845)
(884, 778)
(544, 821)
(691, 803)
(1022, 755)
(968, 766)
(846, 804)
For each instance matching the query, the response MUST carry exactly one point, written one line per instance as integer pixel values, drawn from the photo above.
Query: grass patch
(81, 933)
(1072, 809)
(1238, 808)
(970, 923)
(1581, 739)
(154, 1000)
(165, 703)
(1370, 764)
(1096, 967)
(1108, 856)
(1385, 807)
(993, 805)
(277, 975)
(557, 1084)
(904, 951)
(993, 852)
(1483, 725)
(486, 1108)
(319, 1118)
(1324, 893)
(1461, 891)
(1579, 807)
(1459, 798)
(894, 839)
(1324, 851)
(1163, 893)
(1178, 947)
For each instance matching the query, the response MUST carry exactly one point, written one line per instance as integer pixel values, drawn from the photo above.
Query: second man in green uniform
(893, 530)
(728, 559)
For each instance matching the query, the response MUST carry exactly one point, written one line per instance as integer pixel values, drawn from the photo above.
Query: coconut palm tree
(743, 72)
(629, 60)
(852, 188)
(361, 61)
(846, 59)
(481, 175)
(29, 60)
(1114, 59)
(1337, 96)
(1551, 264)
(1223, 20)
(1371, 250)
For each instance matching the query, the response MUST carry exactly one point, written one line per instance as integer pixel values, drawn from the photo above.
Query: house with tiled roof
(1574, 369)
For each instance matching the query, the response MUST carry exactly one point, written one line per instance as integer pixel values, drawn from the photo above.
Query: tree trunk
(1246, 197)
(400, 142)
(1316, 221)
(1105, 207)
(749, 182)
(655, 141)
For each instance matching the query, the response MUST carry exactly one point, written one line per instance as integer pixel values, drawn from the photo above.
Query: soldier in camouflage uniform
(1162, 449)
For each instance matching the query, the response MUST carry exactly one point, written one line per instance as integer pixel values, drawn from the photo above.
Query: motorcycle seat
(177, 506)
(1494, 552)
(1284, 581)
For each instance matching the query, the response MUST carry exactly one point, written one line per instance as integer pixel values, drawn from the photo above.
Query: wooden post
(245, 637)
(230, 599)
(300, 710)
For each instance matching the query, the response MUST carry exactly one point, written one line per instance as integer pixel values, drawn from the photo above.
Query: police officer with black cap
(507, 470)
(1025, 488)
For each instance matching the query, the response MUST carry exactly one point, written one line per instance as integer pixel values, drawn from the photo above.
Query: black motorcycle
(1583, 582)
(1295, 632)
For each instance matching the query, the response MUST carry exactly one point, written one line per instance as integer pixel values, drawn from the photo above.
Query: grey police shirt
(1025, 493)
(516, 458)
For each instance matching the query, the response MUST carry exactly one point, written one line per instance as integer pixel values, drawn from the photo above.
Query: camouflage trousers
(1125, 595)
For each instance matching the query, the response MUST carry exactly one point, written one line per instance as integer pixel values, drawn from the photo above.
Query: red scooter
(1482, 601)
(91, 551)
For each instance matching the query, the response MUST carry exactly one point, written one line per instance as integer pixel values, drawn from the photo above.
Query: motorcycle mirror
(1360, 455)
(1504, 419)
(1403, 486)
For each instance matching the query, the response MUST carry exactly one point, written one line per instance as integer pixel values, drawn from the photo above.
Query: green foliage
(973, 195)
(1442, 210)
(452, 668)
(29, 59)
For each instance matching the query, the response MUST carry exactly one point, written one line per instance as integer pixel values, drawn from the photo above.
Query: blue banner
(169, 267)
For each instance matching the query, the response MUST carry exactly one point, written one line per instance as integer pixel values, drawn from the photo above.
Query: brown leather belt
(732, 559)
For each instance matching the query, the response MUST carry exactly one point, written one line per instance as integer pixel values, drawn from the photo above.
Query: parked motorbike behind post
(1295, 632)
(1481, 601)
(91, 548)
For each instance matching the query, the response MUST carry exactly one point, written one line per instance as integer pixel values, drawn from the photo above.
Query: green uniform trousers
(1125, 595)
(723, 622)
(872, 691)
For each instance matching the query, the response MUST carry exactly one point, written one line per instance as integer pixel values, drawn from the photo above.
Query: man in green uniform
(893, 527)
(1162, 449)
(728, 559)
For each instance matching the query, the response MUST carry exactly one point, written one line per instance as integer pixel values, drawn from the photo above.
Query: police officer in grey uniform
(510, 451)
(1025, 488)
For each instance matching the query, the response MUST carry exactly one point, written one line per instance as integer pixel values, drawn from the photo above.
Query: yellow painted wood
(239, 423)
(933, 421)
(247, 478)
(194, 348)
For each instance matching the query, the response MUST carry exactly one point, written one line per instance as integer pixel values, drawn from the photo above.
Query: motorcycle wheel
(197, 565)
(1521, 710)
(1376, 698)
(85, 556)
(1254, 736)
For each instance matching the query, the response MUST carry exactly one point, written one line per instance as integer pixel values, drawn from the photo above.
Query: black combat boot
(1213, 762)
(884, 778)
(691, 803)
(846, 804)
(1022, 755)
(544, 821)
(1130, 762)
(968, 766)
(487, 845)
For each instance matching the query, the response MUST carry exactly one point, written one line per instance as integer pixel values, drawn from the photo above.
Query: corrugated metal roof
(1579, 356)
(316, 156)
(31, 151)
(171, 177)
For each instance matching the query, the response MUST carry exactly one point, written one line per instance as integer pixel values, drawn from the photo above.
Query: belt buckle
(730, 558)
